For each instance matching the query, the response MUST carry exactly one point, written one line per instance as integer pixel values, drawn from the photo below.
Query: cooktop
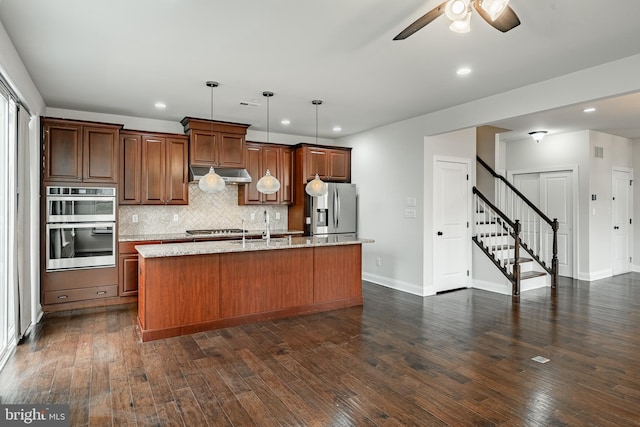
(217, 231)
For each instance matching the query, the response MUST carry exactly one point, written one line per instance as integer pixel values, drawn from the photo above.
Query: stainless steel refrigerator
(335, 212)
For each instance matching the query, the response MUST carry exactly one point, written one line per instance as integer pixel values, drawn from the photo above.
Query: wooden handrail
(515, 190)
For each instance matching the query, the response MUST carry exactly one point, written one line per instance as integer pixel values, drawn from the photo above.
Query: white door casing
(556, 196)
(451, 218)
(622, 222)
(552, 192)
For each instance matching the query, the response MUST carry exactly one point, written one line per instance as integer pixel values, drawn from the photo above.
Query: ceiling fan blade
(422, 21)
(505, 22)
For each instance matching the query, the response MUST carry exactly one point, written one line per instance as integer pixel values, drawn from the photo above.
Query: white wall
(576, 150)
(459, 144)
(617, 153)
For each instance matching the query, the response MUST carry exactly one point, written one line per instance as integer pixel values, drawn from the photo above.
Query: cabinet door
(271, 161)
(100, 154)
(128, 275)
(177, 172)
(204, 148)
(231, 150)
(153, 173)
(130, 169)
(248, 194)
(339, 165)
(317, 163)
(286, 175)
(62, 152)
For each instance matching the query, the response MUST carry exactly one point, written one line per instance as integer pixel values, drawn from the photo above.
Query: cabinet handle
(101, 292)
(63, 297)
(318, 152)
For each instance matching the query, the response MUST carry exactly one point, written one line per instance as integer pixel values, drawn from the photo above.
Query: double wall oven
(80, 227)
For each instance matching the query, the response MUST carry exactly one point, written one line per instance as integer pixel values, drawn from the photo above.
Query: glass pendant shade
(494, 8)
(461, 25)
(211, 182)
(268, 184)
(316, 187)
(457, 9)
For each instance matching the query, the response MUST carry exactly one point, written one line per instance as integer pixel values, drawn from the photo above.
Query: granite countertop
(196, 237)
(228, 246)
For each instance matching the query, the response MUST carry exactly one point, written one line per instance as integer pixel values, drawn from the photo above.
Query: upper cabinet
(279, 160)
(154, 169)
(213, 143)
(76, 151)
(331, 164)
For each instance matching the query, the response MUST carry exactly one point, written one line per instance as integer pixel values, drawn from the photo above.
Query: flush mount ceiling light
(496, 13)
(463, 71)
(285, 122)
(211, 182)
(160, 105)
(316, 187)
(268, 184)
(538, 134)
(589, 110)
(337, 129)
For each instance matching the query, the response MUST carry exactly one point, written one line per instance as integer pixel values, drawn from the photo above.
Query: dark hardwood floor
(461, 358)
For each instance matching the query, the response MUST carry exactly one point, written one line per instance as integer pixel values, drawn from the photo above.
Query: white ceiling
(122, 56)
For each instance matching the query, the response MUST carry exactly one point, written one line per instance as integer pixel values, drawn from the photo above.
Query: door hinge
(629, 220)
(467, 177)
(630, 182)
(467, 224)
(467, 273)
(629, 259)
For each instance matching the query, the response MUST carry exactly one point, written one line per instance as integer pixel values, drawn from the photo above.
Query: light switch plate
(409, 213)
(411, 201)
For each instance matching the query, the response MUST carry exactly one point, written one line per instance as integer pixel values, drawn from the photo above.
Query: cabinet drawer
(98, 292)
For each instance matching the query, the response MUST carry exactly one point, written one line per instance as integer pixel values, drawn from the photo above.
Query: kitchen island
(190, 287)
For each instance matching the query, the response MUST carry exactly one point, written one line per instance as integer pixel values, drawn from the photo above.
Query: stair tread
(493, 234)
(520, 260)
(500, 247)
(531, 274)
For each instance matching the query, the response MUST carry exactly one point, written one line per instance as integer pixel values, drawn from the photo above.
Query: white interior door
(556, 199)
(621, 214)
(451, 225)
(529, 185)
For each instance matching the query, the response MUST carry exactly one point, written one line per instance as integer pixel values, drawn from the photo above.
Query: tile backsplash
(204, 211)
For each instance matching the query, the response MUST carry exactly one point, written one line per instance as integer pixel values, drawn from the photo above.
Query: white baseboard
(499, 288)
(597, 275)
(398, 285)
(635, 268)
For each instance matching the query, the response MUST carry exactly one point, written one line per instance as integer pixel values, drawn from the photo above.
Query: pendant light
(268, 184)
(316, 187)
(211, 182)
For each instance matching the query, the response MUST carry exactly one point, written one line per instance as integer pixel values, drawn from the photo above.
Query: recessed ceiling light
(589, 110)
(160, 105)
(286, 122)
(463, 71)
(337, 128)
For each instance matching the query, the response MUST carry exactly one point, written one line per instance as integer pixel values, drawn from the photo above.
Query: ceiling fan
(496, 12)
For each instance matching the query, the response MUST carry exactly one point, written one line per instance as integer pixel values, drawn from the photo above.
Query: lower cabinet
(87, 286)
(128, 266)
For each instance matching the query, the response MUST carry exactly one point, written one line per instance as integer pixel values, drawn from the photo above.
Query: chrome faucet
(267, 233)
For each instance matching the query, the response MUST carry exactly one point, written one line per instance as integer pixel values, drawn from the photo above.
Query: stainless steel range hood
(229, 175)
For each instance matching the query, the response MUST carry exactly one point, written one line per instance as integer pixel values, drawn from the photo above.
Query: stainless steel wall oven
(80, 227)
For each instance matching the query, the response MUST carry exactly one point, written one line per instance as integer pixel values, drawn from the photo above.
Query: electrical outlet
(176, 218)
(253, 217)
(378, 261)
(277, 215)
(134, 218)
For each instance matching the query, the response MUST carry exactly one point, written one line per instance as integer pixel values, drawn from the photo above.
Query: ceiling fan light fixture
(538, 134)
(461, 25)
(457, 10)
(494, 8)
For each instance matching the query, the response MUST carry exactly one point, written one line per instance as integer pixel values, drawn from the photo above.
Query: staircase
(516, 236)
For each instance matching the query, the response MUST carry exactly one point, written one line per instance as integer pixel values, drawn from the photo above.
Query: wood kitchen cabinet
(331, 164)
(213, 143)
(279, 160)
(154, 169)
(76, 151)
(128, 266)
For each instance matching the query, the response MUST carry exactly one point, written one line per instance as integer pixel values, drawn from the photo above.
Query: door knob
(439, 233)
